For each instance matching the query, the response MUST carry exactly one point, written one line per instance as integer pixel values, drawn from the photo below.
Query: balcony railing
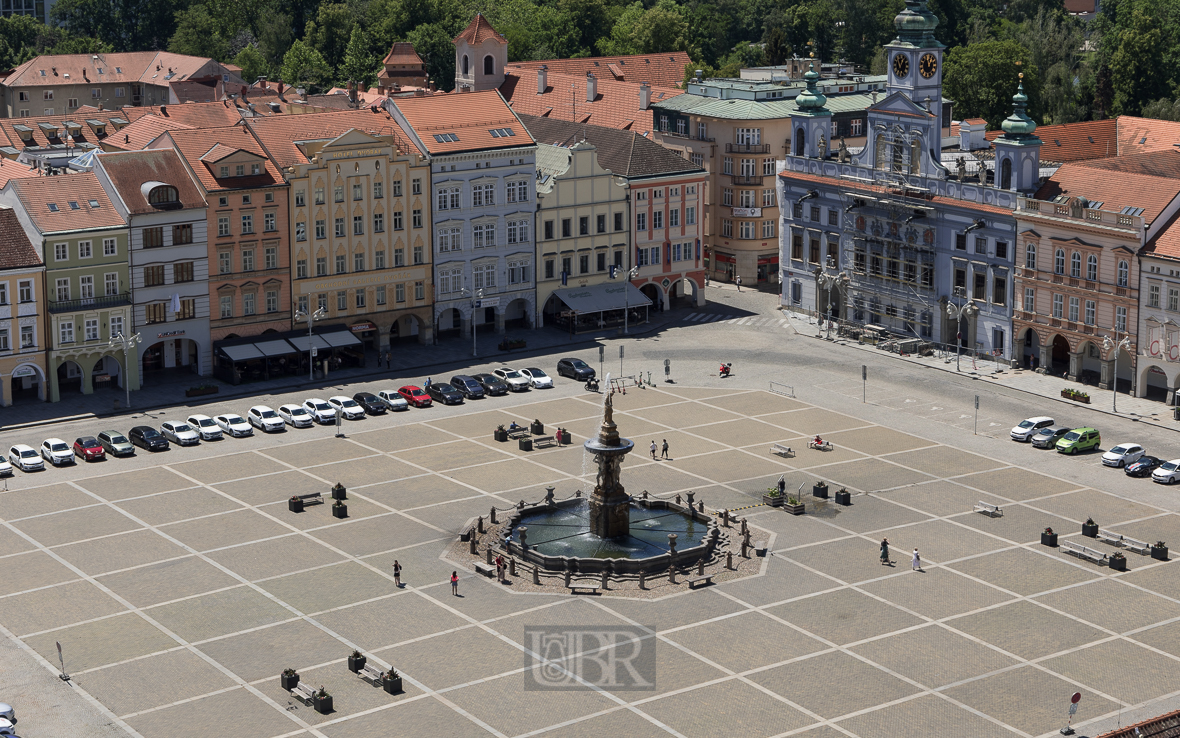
(747, 148)
(90, 303)
(747, 179)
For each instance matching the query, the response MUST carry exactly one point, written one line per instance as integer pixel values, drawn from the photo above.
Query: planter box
(392, 686)
(295, 505)
(356, 663)
(1159, 553)
(537, 429)
(322, 705)
(794, 509)
(1090, 531)
(1076, 398)
(843, 498)
(565, 438)
(819, 490)
(340, 511)
(1118, 564)
(339, 492)
(289, 682)
(500, 435)
(526, 444)
(776, 501)
(1049, 539)
(201, 391)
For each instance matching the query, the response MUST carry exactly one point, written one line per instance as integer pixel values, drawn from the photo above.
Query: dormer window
(225, 171)
(255, 168)
(240, 170)
(163, 196)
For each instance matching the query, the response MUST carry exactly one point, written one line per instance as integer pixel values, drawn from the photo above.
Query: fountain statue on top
(609, 503)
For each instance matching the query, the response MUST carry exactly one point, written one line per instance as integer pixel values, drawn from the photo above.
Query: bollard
(511, 566)
(701, 568)
(672, 575)
(522, 533)
(473, 543)
(479, 524)
(549, 495)
(492, 516)
(489, 554)
(701, 506)
(689, 495)
(677, 498)
(642, 579)
(605, 577)
(567, 579)
(729, 560)
(537, 575)
(725, 518)
(745, 548)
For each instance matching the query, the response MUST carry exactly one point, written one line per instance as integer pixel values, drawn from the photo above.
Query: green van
(1079, 439)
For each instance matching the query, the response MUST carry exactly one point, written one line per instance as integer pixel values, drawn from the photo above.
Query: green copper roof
(811, 99)
(1018, 126)
(915, 25)
(711, 107)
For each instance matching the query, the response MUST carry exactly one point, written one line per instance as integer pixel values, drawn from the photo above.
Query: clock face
(928, 65)
(901, 65)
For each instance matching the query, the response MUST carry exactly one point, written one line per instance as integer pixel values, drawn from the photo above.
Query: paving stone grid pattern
(180, 591)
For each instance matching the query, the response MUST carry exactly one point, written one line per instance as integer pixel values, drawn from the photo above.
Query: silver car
(206, 427)
(180, 433)
(295, 415)
(25, 458)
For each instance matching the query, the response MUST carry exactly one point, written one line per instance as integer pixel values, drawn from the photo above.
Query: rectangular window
(584, 225)
(1173, 299)
(1120, 319)
(814, 214)
(182, 234)
(110, 283)
(674, 218)
(248, 306)
(358, 262)
(321, 229)
(397, 188)
(86, 287)
(549, 267)
(600, 224)
(641, 221)
(583, 263)
(154, 312)
(271, 257)
(657, 220)
(378, 222)
(182, 271)
(300, 199)
(338, 193)
(727, 228)
(768, 229)
(301, 231)
(1091, 309)
(339, 223)
(379, 295)
(224, 262)
(153, 237)
(359, 298)
(419, 290)
(319, 195)
(768, 167)
(419, 255)
(247, 223)
(727, 197)
(66, 331)
(223, 225)
(358, 225)
(84, 250)
(416, 218)
(979, 291)
(566, 227)
(110, 247)
(247, 260)
(27, 341)
(272, 301)
(379, 259)
(727, 165)
(269, 222)
(1000, 291)
(690, 215)
(961, 241)
(618, 222)
(303, 303)
(358, 191)
(1074, 305)
(640, 259)
(63, 289)
(415, 186)
(321, 301)
(301, 269)
(321, 266)
(341, 264)
(399, 257)
(397, 220)
(4, 339)
(342, 300)
(1001, 249)
(980, 245)
(378, 190)
(399, 293)
(1030, 300)
(1153, 296)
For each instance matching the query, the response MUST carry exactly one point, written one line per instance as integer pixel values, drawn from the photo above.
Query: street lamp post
(311, 318)
(125, 343)
(957, 313)
(830, 282)
(632, 274)
(1107, 345)
(475, 300)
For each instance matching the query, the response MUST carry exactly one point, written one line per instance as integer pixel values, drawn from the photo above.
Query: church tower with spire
(1018, 149)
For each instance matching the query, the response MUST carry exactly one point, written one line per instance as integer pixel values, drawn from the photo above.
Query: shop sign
(362, 327)
(170, 334)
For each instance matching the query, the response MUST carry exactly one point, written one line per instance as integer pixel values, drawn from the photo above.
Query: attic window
(1055, 141)
(100, 70)
(163, 195)
(445, 137)
(74, 205)
(1091, 138)
(94, 204)
(1143, 140)
(118, 70)
(42, 71)
(53, 207)
(225, 171)
(502, 132)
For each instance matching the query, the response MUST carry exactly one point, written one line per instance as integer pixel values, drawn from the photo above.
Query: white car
(538, 379)
(320, 411)
(182, 434)
(7, 712)
(1122, 454)
(516, 381)
(206, 427)
(393, 400)
(265, 419)
(25, 458)
(1028, 428)
(57, 452)
(5, 471)
(6, 728)
(1167, 472)
(347, 406)
(233, 425)
(295, 415)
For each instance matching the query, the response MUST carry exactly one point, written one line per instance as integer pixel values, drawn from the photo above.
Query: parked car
(320, 411)
(234, 425)
(1048, 436)
(205, 427)
(537, 378)
(56, 452)
(467, 384)
(575, 369)
(393, 400)
(492, 385)
(347, 407)
(1079, 439)
(1025, 430)
(25, 458)
(5, 468)
(7, 728)
(415, 395)
(1167, 473)
(182, 434)
(1122, 454)
(1143, 466)
(445, 393)
(148, 438)
(265, 419)
(370, 403)
(88, 448)
(116, 444)
(516, 381)
(7, 712)
(295, 416)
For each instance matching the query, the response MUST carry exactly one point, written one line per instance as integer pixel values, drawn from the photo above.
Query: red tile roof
(141, 133)
(129, 171)
(1166, 243)
(403, 53)
(660, 70)
(37, 193)
(18, 252)
(150, 67)
(1091, 139)
(616, 104)
(194, 145)
(10, 169)
(1080, 6)
(1164, 726)
(939, 199)
(79, 128)
(278, 134)
(478, 31)
(1138, 135)
(1149, 181)
(470, 117)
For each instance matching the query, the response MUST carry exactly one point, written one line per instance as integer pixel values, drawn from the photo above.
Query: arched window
(1075, 265)
(489, 65)
(1030, 256)
(1059, 262)
(163, 195)
(800, 142)
(1124, 273)
(466, 66)
(1092, 268)
(1006, 175)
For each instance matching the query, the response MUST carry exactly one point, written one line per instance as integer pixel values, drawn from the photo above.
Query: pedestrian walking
(427, 382)
(397, 573)
(664, 449)
(917, 561)
(455, 583)
(739, 283)
(885, 551)
(499, 568)
(653, 448)
(388, 360)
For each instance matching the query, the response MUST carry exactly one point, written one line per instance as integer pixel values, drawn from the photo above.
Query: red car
(89, 449)
(415, 395)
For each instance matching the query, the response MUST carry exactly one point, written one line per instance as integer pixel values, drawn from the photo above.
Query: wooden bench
(825, 446)
(988, 509)
(1082, 552)
(370, 675)
(312, 498)
(587, 588)
(488, 570)
(1131, 544)
(303, 693)
(541, 441)
(707, 579)
(781, 450)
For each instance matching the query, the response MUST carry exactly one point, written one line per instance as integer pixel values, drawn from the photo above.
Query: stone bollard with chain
(492, 516)
(729, 560)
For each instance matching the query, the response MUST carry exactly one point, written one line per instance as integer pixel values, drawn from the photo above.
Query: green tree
(126, 25)
(253, 63)
(329, 32)
(981, 79)
(303, 66)
(437, 49)
(358, 64)
(1162, 109)
(660, 28)
(1138, 65)
(198, 34)
(622, 36)
(777, 50)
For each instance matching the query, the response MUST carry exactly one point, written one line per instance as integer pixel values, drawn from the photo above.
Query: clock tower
(915, 58)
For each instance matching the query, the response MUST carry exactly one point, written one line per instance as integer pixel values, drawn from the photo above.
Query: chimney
(164, 110)
(591, 87)
(261, 81)
(644, 96)
(700, 73)
(280, 88)
(380, 88)
(542, 79)
(352, 92)
(244, 92)
(971, 135)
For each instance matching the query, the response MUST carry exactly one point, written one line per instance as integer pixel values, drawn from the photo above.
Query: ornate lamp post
(311, 318)
(475, 300)
(1107, 345)
(957, 312)
(125, 343)
(831, 282)
(632, 274)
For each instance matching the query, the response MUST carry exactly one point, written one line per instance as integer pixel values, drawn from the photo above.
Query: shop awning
(340, 339)
(275, 347)
(599, 297)
(243, 352)
(301, 342)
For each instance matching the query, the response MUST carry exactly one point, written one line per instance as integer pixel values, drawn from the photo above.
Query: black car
(1142, 467)
(148, 438)
(444, 393)
(466, 384)
(575, 369)
(491, 384)
(371, 403)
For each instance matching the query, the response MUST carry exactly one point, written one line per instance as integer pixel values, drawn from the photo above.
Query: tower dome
(811, 98)
(1018, 125)
(915, 25)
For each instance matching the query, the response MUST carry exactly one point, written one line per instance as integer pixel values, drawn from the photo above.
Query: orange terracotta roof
(1142, 181)
(196, 114)
(1138, 135)
(75, 124)
(468, 118)
(151, 67)
(129, 171)
(975, 121)
(18, 252)
(402, 53)
(1166, 243)
(195, 144)
(279, 133)
(141, 133)
(10, 170)
(1163, 726)
(478, 31)
(938, 199)
(36, 194)
(1080, 6)
(660, 70)
(616, 104)
(1090, 139)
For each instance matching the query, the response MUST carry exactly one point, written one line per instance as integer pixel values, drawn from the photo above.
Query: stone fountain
(610, 507)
